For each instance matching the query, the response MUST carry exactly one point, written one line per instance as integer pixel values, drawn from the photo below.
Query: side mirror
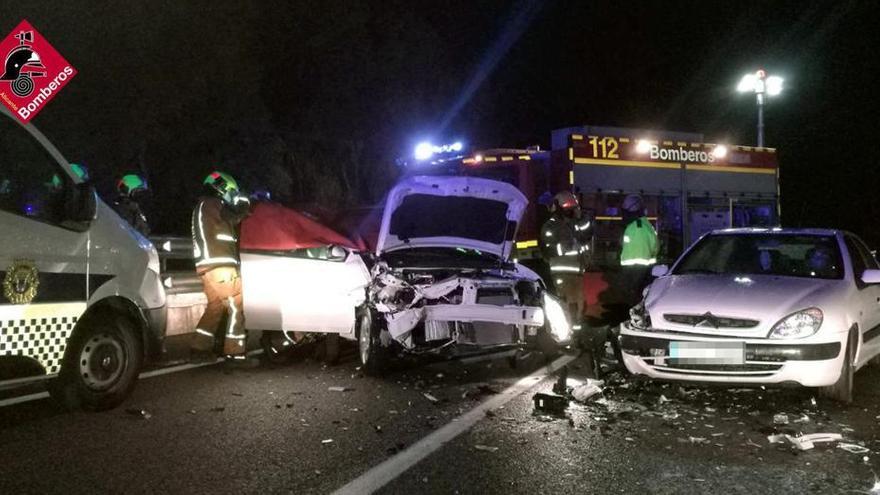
(86, 202)
(659, 270)
(81, 205)
(337, 253)
(871, 276)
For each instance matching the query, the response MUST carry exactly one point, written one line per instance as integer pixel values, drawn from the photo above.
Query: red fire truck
(690, 187)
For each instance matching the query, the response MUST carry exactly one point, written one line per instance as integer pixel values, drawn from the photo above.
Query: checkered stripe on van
(42, 339)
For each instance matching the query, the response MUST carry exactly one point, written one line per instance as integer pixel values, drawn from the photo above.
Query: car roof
(778, 230)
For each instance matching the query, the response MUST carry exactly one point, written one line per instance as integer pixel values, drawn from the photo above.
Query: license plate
(707, 352)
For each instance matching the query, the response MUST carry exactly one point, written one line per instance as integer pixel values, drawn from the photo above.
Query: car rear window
(790, 255)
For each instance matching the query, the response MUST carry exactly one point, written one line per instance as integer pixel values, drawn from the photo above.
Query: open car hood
(451, 212)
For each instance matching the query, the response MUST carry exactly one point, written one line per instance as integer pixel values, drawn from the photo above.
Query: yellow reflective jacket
(640, 246)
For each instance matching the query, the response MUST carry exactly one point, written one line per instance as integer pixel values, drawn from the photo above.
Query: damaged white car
(761, 307)
(440, 282)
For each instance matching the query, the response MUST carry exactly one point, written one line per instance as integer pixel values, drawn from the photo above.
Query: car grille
(711, 321)
(751, 370)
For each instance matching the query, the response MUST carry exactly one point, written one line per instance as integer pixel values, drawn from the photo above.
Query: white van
(82, 304)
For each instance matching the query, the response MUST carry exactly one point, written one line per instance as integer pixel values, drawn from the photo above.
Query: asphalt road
(283, 430)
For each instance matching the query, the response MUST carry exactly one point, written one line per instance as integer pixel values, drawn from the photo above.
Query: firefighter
(130, 189)
(215, 247)
(565, 244)
(639, 248)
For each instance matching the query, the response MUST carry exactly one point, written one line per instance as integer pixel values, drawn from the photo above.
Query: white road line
(24, 398)
(393, 467)
(147, 374)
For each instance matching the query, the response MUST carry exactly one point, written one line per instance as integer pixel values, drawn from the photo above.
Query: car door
(868, 297)
(305, 290)
(42, 257)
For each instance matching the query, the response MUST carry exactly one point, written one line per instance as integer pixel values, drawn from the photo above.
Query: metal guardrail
(181, 276)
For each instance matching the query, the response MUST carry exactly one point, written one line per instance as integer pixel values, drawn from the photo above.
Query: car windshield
(790, 255)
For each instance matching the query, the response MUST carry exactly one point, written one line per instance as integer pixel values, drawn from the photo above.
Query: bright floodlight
(643, 146)
(424, 151)
(747, 83)
(720, 151)
(774, 85)
(456, 146)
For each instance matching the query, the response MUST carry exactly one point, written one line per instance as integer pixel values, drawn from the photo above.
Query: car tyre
(100, 365)
(842, 390)
(373, 356)
(274, 351)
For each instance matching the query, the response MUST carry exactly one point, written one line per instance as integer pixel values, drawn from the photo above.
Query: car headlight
(555, 315)
(639, 319)
(798, 325)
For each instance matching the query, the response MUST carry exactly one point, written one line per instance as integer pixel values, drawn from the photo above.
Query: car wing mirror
(871, 276)
(81, 204)
(337, 253)
(659, 270)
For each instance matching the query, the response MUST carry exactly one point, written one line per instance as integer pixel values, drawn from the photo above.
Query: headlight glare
(798, 325)
(560, 328)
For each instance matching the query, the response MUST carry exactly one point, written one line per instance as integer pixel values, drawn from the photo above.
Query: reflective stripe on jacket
(565, 244)
(640, 244)
(215, 240)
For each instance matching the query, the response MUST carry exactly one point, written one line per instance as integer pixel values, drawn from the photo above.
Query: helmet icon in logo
(19, 65)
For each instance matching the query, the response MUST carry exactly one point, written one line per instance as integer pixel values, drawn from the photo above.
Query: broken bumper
(811, 364)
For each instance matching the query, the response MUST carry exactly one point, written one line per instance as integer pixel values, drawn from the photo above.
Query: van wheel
(277, 347)
(100, 366)
(372, 355)
(842, 390)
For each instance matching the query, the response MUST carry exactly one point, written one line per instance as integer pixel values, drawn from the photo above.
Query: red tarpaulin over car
(272, 227)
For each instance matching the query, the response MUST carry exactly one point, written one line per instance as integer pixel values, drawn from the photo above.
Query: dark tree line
(315, 99)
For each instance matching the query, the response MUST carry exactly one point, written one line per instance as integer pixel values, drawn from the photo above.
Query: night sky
(315, 99)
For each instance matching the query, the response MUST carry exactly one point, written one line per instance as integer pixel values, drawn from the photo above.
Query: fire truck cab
(689, 187)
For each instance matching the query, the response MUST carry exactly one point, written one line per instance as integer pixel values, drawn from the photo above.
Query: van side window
(31, 182)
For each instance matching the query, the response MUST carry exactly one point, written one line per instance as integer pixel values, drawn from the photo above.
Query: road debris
(780, 419)
(431, 397)
(486, 448)
(804, 442)
(550, 403)
(853, 448)
(326, 441)
(141, 413)
(339, 389)
(587, 389)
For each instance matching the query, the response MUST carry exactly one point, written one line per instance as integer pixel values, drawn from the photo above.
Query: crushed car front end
(455, 311)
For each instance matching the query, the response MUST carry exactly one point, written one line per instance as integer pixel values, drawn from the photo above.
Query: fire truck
(690, 187)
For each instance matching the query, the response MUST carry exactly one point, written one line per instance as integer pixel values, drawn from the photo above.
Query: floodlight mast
(760, 83)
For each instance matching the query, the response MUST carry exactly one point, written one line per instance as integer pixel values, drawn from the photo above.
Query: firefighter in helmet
(130, 190)
(565, 244)
(639, 248)
(215, 223)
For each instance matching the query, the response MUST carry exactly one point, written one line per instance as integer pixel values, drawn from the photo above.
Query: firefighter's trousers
(570, 288)
(223, 290)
